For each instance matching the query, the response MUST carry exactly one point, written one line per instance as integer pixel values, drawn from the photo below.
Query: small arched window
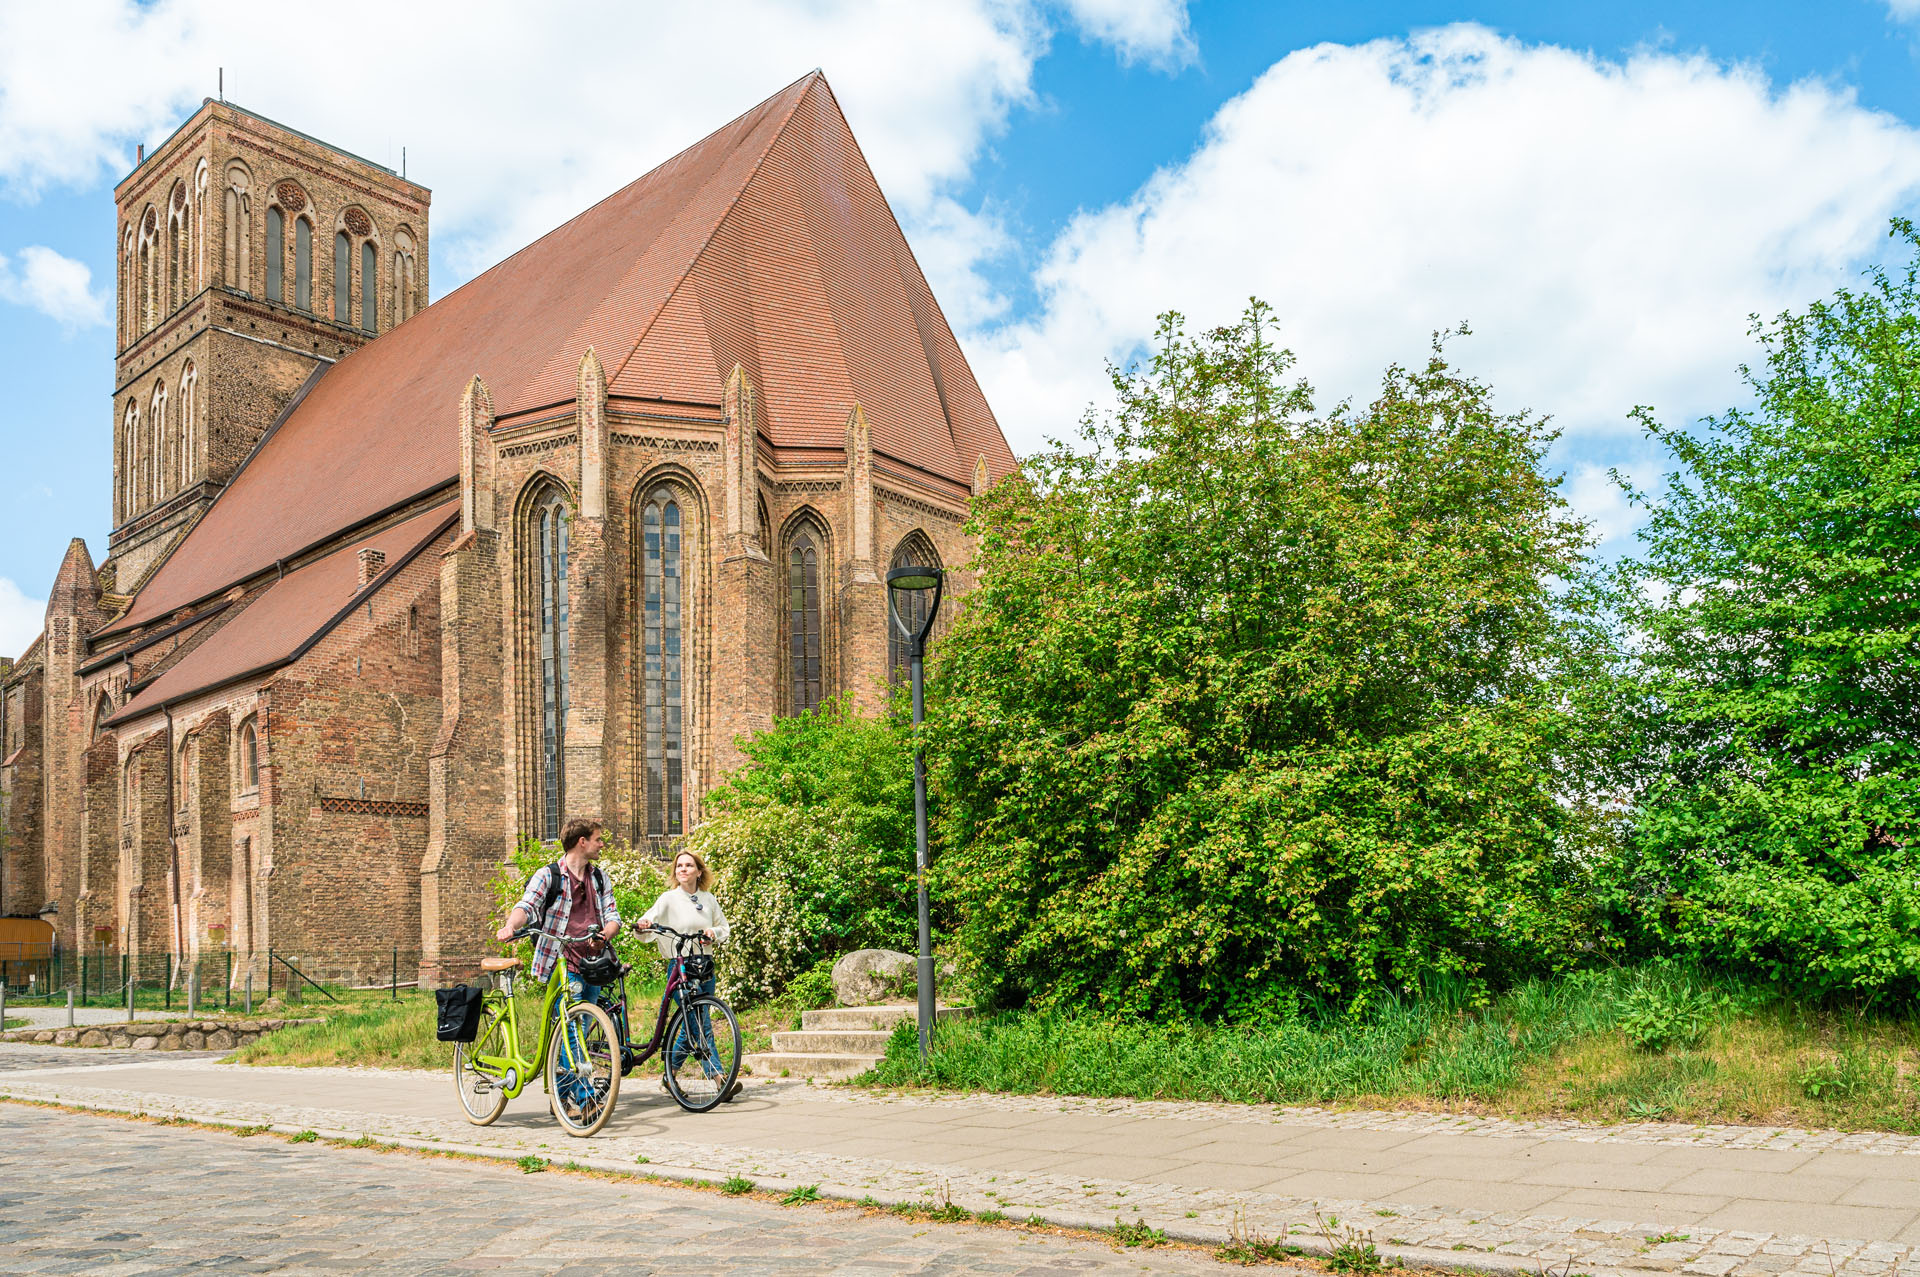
(402, 281)
(102, 711)
(662, 576)
(249, 753)
(129, 290)
(369, 265)
(276, 255)
(302, 264)
(803, 621)
(342, 277)
(239, 228)
(915, 551)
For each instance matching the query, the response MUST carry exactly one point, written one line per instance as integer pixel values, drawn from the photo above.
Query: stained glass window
(342, 277)
(550, 545)
(276, 256)
(303, 264)
(368, 294)
(663, 577)
(803, 622)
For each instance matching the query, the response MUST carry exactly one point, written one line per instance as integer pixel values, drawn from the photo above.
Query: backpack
(458, 1018)
(600, 885)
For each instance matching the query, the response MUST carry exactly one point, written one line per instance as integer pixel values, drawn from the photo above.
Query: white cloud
(21, 619)
(58, 287)
(1606, 227)
(520, 116)
(1903, 10)
(1155, 31)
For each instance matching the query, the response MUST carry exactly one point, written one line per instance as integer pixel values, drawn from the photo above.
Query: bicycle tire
(716, 1064)
(482, 1097)
(598, 1038)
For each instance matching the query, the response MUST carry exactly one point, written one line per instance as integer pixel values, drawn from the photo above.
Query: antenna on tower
(403, 161)
(223, 84)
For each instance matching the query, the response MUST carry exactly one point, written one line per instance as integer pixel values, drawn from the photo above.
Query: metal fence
(219, 979)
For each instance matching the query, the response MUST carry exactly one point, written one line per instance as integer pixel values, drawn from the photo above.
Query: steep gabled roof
(767, 244)
(290, 615)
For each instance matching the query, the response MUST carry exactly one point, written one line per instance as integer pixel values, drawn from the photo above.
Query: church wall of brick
(23, 880)
(350, 728)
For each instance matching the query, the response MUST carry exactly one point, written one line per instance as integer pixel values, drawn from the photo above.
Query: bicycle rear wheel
(482, 1093)
(583, 1070)
(703, 1053)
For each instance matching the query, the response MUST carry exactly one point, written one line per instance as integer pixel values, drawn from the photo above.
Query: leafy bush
(812, 839)
(813, 987)
(1254, 704)
(1778, 828)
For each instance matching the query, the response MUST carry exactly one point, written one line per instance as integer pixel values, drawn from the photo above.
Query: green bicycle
(578, 1052)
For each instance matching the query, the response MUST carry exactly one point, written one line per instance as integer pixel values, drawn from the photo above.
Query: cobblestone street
(89, 1194)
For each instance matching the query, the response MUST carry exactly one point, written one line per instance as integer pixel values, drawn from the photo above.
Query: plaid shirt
(546, 950)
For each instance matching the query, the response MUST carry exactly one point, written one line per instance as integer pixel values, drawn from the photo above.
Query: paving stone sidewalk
(1436, 1188)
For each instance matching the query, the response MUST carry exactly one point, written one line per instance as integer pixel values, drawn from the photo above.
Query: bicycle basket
(699, 966)
(459, 1013)
(595, 962)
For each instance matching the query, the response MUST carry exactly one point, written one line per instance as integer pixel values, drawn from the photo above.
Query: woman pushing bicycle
(689, 907)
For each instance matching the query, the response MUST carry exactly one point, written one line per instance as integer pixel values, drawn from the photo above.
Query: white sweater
(675, 908)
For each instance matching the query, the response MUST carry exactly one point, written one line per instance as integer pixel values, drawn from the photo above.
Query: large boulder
(867, 976)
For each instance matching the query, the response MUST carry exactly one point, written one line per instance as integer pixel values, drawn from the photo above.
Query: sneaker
(733, 1092)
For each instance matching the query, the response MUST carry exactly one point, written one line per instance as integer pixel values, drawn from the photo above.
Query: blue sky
(1603, 191)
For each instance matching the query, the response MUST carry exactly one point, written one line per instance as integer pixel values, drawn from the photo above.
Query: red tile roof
(289, 614)
(767, 244)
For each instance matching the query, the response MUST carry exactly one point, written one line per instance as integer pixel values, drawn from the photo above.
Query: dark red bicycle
(696, 1031)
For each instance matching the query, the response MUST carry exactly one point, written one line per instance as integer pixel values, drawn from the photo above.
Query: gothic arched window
(239, 229)
(189, 385)
(663, 647)
(129, 291)
(548, 541)
(157, 443)
(402, 282)
(369, 264)
(249, 753)
(130, 461)
(803, 621)
(915, 551)
(276, 256)
(342, 277)
(302, 264)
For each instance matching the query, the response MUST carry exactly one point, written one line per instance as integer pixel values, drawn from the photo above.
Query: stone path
(90, 1194)
(1519, 1196)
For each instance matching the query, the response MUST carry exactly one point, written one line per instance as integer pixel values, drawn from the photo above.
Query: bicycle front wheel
(583, 1069)
(482, 1090)
(703, 1053)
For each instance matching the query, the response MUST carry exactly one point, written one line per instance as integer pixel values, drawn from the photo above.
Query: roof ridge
(713, 228)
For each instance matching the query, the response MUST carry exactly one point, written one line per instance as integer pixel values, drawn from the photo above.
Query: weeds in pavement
(1248, 1245)
(531, 1165)
(303, 1137)
(735, 1186)
(801, 1193)
(1349, 1250)
(1138, 1233)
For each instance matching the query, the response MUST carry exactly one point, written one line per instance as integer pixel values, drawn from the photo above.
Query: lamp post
(910, 581)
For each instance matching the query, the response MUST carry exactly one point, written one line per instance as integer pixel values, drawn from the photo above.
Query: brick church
(392, 584)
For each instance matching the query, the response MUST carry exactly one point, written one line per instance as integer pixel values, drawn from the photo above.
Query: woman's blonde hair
(706, 874)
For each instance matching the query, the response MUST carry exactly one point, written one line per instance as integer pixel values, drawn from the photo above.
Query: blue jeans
(702, 1023)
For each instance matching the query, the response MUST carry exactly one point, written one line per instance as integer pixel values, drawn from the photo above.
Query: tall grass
(1515, 1054)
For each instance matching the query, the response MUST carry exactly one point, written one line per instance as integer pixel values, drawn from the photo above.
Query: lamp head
(913, 578)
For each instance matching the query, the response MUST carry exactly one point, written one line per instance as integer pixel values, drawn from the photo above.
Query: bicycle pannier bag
(459, 1018)
(700, 966)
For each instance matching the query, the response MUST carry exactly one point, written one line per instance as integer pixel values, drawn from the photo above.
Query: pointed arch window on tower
(189, 445)
(157, 443)
(130, 461)
(276, 256)
(915, 551)
(803, 621)
(342, 277)
(369, 265)
(549, 542)
(303, 264)
(662, 576)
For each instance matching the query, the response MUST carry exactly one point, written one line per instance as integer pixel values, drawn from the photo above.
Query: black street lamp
(909, 581)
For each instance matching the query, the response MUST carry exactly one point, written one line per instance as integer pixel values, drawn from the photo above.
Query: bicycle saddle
(499, 964)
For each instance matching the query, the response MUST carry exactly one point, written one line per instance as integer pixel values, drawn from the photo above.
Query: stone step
(833, 1041)
(883, 1017)
(772, 1064)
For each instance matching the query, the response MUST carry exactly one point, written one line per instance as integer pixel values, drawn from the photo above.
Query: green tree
(1779, 599)
(1253, 702)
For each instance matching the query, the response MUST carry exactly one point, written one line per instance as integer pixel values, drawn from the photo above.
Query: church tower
(250, 257)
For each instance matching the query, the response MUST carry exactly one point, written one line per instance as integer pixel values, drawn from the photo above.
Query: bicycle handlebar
(526, 931)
